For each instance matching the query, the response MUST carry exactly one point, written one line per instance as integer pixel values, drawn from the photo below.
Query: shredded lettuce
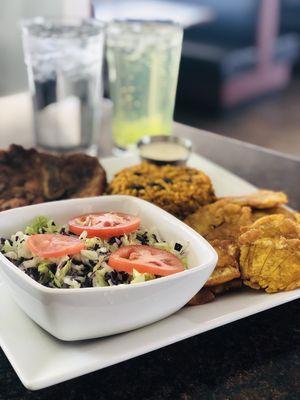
(43, 268)
(45, 272)
(32, 263)
(164, 246)
(7, 247)
(138, 277)
(72, 283)
(91, 242)
(61, 273)
(98, 279)
(185, 262)
(12, 255)
(42, 224)
(22, 249)
(17, 245)
(90, 254)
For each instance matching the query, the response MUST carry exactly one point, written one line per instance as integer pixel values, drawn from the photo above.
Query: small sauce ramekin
(163, 150)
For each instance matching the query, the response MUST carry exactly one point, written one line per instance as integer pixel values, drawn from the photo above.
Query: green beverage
(143, 60)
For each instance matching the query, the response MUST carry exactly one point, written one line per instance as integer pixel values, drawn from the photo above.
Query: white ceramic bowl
(74, 314)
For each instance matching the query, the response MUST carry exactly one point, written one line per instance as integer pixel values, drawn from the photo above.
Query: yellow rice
(179, 190)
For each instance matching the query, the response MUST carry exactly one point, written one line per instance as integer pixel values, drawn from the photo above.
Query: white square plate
(53, 361)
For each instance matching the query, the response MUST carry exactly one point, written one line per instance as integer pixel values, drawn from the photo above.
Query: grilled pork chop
(30, 177)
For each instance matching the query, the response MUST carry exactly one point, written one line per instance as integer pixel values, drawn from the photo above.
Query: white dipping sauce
(164, 151)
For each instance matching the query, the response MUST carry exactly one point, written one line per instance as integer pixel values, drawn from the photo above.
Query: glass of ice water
(64, 62)
(143, 59)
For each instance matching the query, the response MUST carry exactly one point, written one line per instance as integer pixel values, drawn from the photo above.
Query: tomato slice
(51, 245)
(145, 259)
(104, 224)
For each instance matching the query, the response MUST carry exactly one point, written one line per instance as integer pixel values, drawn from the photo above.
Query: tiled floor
(272, 122)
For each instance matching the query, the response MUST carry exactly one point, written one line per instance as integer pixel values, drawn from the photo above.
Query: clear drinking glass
(143, 60)
(64, 62)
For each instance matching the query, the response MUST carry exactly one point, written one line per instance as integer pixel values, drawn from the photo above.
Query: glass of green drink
(143, 60)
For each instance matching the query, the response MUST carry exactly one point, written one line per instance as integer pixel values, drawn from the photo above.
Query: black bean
(111, 277)
(115, 239)
(137, 187)
(2, 240)
(88, 282)
(178, 246)
(16, 262)
(93, 263)
(112, 240)
(156, 184)
(138, 173)
(33, 273)
(116, 278)
(64, 232)
(52, 268)
(161, 187)
(76, 262)
(155, 237)
(168, 180)
(53, 223)
(123, 276)
(142, 238)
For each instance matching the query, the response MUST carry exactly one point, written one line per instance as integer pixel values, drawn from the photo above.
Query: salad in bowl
(82, 273)
(93, 250)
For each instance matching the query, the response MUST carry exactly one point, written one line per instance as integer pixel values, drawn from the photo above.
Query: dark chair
(237, 57)
(290, 21)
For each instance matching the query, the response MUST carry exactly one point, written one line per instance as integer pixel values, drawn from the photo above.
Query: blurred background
(239, 72)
